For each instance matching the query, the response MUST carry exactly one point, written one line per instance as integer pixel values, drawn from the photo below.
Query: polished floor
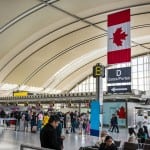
(11, 140)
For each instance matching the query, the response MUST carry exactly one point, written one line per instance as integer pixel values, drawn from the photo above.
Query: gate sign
(119, 89)
(119, 75)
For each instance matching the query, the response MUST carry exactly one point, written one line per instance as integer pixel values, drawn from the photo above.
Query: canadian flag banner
(119, 47)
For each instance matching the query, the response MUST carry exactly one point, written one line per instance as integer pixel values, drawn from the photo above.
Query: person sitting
(104, 133)
(141, 135)
(146, 132)
(108, 144)
(145, 125)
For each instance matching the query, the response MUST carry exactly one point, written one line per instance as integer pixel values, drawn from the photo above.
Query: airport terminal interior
(86, 62)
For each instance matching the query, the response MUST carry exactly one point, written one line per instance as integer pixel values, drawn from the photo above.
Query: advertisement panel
(94, 118)
(118, 108)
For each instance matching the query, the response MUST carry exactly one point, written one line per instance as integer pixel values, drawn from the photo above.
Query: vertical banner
(94, 118)
(119, 47)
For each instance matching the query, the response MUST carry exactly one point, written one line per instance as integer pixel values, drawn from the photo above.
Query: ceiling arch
(42, 36)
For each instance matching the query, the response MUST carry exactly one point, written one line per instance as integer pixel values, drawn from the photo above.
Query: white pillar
(101, 102)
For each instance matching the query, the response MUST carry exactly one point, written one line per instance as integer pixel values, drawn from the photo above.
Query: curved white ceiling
(53, 44)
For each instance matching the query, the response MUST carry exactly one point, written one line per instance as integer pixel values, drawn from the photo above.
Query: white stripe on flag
(125, 43)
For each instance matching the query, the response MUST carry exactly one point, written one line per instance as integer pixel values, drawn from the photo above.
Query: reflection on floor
(11, 140)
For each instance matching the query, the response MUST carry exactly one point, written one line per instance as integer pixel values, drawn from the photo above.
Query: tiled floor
(11, 140)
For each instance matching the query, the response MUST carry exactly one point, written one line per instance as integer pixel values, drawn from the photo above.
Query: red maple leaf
(119, 36)
(121, 113)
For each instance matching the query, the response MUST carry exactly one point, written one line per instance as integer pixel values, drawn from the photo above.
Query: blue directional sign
(119, 89)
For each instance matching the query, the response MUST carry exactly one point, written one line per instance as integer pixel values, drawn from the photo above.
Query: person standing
(48, 134)
(45, 119)
(26, 122)
(68, 122)
(59, 136)
(34, 122)
(40, 119)
(73, 122)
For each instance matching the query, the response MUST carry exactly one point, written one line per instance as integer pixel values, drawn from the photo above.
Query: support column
(99, 96)
(99, 73)
(149, 71)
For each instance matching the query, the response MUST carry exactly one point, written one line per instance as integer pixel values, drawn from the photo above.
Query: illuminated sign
(20, 93)
(98, 71)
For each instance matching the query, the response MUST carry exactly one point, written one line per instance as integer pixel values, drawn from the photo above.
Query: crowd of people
(50, 124)
(33, 121)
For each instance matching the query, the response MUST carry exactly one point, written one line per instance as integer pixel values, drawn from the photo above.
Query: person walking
(115, 123)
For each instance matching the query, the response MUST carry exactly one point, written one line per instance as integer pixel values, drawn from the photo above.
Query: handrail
(22, 146)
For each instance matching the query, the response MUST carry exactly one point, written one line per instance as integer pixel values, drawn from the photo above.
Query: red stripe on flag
(119, 56)
(119, 17)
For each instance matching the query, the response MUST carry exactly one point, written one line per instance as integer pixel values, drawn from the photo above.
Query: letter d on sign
(118, 73)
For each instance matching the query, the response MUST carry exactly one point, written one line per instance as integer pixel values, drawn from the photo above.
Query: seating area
(146, 147)
(125, 146)
(130, 146)
(11, 140)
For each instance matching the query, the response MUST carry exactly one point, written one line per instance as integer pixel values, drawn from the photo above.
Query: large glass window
(140, 67)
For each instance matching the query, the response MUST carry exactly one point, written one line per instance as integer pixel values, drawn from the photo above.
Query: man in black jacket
(48, 134)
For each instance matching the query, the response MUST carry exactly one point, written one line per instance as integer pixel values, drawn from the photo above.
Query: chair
(88, 148)
(130, 146)
(146, 147)
(140, 143)
(117, 143)
(147, 141)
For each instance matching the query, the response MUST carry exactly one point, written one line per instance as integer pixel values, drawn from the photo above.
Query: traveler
(48, 134)
(108, 144)
(115, 123)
